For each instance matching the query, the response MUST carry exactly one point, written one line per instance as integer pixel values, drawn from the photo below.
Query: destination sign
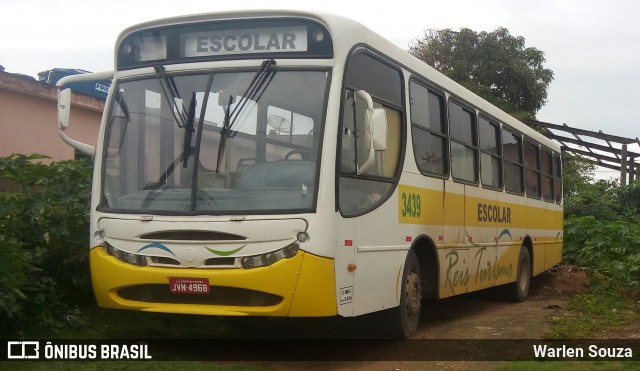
(244, 41)
(224, 40)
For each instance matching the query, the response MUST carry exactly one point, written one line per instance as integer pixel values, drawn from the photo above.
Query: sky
(593, 47)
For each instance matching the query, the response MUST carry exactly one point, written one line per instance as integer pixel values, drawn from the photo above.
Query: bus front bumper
(303, 286)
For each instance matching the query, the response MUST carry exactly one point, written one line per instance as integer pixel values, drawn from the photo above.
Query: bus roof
(348, 34)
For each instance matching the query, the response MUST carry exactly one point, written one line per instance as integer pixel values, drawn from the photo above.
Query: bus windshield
(228, 142)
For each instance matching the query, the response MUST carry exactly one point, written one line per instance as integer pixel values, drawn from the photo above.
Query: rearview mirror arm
(64, 109)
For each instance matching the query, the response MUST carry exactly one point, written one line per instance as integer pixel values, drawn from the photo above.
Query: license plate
(179, 285)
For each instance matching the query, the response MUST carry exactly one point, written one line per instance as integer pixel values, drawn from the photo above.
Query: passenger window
(547, 175)
(429, 130)
(513, 164)
(490, 154)
(464, 152)
(557, 177)
(532, 165)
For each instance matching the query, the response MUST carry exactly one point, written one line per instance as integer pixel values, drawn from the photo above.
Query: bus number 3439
(411, 205)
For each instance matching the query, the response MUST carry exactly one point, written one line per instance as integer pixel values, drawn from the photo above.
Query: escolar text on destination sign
(266, 40)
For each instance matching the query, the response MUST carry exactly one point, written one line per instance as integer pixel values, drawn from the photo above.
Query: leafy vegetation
(577, 175)
(495, 65)
(601, 233)
(611, 248)
(44, 231)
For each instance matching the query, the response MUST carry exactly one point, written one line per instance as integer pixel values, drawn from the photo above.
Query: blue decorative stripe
(157, 245)
(503, 233)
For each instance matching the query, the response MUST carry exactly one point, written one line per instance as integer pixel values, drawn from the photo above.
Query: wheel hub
(413, 293)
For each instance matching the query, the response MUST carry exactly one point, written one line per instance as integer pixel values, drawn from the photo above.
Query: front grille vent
(163, 260)
(191, 235)
(220, 262)
(155, 293)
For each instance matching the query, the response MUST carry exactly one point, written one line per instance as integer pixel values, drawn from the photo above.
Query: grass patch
(100, 323)
(121, 366)
(593, 313)
(564, 365)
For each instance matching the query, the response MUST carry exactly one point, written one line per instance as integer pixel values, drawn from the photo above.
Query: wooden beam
(623, 165)
(599, 147)
(576, 131)
(595, 156)
(599, 161)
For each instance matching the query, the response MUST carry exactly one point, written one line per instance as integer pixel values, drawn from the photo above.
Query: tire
(519, 290)
(403, 320)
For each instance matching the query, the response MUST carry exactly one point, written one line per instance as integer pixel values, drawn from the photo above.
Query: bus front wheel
(519, 290)
(403, 320)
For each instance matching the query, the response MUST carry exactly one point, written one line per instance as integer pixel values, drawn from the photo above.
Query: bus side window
(532, 165)
(429, 130)
(557, 177)
(464, 142)
(513, 165)
(361, 191)
(547, 175)
(490, 154)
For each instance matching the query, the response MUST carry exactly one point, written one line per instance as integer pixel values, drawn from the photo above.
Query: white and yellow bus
(283, 163)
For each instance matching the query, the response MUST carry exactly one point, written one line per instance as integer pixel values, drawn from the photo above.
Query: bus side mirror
(375, 130)
(379, 129)
(375, 124)
(64, 109)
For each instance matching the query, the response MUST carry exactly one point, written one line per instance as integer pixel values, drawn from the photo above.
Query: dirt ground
(482, 315)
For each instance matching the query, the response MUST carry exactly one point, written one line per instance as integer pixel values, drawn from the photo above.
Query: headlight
(270, 258)
(129, 258)
(291, 250)
(124, 256)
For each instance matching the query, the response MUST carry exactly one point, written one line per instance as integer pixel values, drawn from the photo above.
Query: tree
(495, 65)
(577, 174)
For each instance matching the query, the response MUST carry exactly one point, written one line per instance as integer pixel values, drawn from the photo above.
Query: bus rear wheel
(519, 290)
(403, 320)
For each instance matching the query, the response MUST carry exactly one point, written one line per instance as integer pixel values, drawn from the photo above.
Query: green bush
(610, 248)
(599, 199)
(44, 231)
(602, 230)
(629, 197)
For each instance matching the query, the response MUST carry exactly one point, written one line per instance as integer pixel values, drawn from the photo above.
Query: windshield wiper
(255, 89)
(196, 155)
(257, 83)
(188, 131)
(172, 96)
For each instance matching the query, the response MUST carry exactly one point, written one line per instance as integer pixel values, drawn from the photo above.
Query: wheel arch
(426, 250)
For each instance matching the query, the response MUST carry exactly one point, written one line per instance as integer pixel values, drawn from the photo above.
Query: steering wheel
(305, 154)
